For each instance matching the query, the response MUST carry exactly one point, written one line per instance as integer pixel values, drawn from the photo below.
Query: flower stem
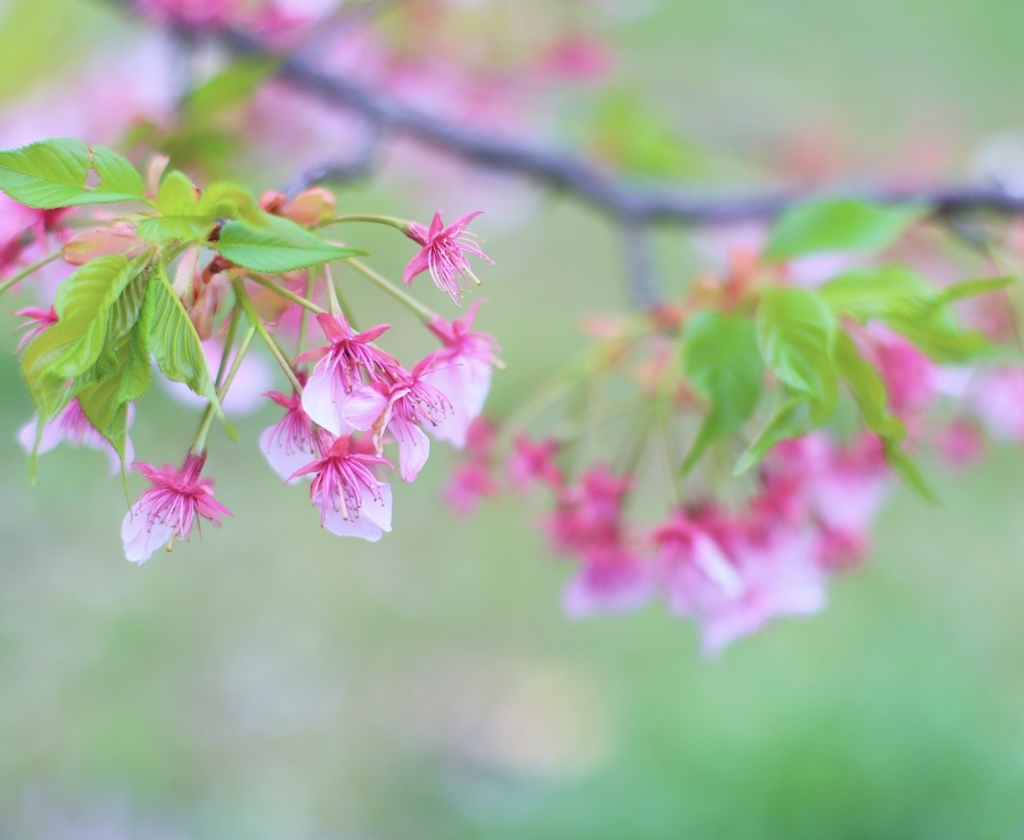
(276, 288)
(199, 445)
(304, 320)
(392, 221)
(417, 308)
(25, 272)
(257, 323)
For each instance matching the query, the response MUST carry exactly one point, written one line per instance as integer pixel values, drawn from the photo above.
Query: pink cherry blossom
(167, 510)
(473, 480)
(341, 366)
(291, 443)
(402, 408)
(444, 254)
(462, 372)
(611, 579)
(534, 461)
(352, 502)
(997, 396)
(72, 427)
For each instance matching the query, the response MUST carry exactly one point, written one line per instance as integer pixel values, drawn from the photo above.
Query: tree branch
(623, 200)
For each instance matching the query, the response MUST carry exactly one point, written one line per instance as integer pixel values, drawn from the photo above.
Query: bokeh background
(272, 681)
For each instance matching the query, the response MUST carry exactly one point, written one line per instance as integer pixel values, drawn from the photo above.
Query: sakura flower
(407, 404)
(340, 368)
(534, 461)
(997, 396)
(352, 502)
(167, 510)
(71, 426)
(462, 372)
(611, 579)
(468, 485)
(778, 575)
(444, 254)
(291, 443)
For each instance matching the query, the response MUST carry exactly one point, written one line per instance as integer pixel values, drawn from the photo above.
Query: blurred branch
(338, 171)
(565, 172)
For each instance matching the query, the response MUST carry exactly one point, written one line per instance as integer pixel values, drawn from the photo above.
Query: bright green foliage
(54, 173)
(190, 217)
(838, 225)
(867, 387)
(865, 293)
(723, 364)
(276, 245)
(789, 420)
(71, 347)
(173, 339)
(796, 333)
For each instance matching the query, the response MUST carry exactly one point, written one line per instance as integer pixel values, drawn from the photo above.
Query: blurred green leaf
(54, 173)
(231, 88)
(971, 288)
(869, 292)
(838, 225)
(789, 420)
(639, 141)
(867, 387)
(723, 363)
(796, 334)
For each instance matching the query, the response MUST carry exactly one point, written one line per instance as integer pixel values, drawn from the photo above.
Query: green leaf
(105, 401)
(722, 361)
(870, 292)
(83, 303)
(970, 288)
(276, 245)
(229, 89)
(839, 225)
(54, 173)
(907, 470)
(790, 420)
(934, 331)
(173, 339)
(796, 333)
(867, 387)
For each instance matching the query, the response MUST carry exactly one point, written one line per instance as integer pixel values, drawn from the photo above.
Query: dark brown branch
(623, 200)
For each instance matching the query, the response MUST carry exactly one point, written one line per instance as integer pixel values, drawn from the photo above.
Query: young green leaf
(908, 472)
(867, 387)
(839, 225)
(796, 333)
(871, 291)
(789, 420)
(276, 245)
(722, 361)
(54, 173)
(173, 339)
(971, 288)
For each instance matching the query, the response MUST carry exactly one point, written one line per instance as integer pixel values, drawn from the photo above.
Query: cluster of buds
(174, 282)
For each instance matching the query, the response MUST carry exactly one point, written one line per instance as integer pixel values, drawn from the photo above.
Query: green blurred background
(272, 681)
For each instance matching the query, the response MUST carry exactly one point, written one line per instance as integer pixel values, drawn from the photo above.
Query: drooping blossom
(352, 501)
(473, 479)
(402, 408)
(340, 369)
(534, 461)
(444, 254)
(167, 510)
(72, 427)
(611, 579)
(292, 442)
(462, 372)
(39, 320)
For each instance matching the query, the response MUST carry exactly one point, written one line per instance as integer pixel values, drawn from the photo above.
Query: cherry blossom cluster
(733, 552)
(174, 284)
